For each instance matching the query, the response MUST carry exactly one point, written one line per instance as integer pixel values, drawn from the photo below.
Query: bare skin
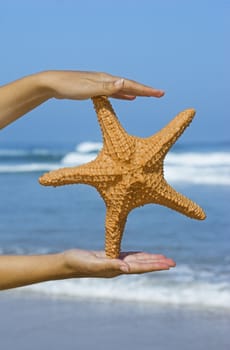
(20, 97)
(23, 95)
(17, 271)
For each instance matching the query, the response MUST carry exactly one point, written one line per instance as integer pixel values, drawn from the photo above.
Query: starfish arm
(167, 196)
(114, 227)
(92, 173)
(161, 142)
(117, 143)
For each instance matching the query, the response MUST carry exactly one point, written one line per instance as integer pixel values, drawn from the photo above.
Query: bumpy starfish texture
(128, 172)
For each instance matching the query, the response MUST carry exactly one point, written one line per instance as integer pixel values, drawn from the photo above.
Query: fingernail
(119, 82)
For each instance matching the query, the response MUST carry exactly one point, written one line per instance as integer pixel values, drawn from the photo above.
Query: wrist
(45, 82)
(65, 267)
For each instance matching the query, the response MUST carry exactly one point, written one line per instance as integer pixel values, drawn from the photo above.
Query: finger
(123, 97)
(112, 87)
(141, 255)
(165, 261)
(116, 265)
(132, 87)
(133, 258)
(170, 262)
(152, 258)
(138, 267)
(127, 87)
(146, 255)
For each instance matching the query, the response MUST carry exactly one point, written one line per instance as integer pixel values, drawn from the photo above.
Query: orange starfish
(128, 172)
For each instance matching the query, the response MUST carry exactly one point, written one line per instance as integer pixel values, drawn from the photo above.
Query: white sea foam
(211, 168)
(195, 168)
(180, 287)
(198, 175)
(12, 152)
(192, 159)
(74, 158)
(4, 152)
(89, 146)
(140, 289)
(84, 153)
(29, 167)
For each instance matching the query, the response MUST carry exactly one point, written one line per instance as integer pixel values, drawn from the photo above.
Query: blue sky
(179, 46)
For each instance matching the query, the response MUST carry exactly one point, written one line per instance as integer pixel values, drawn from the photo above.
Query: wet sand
(34, 322)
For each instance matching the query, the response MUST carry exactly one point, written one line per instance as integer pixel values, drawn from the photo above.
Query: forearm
(17, 270)
(21, 96)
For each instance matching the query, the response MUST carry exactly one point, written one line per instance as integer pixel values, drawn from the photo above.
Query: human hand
(22, 270)
(79, 85)
(82, 263)
(23, 95)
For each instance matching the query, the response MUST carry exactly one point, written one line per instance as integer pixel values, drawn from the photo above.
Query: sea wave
(199, 293)
(86, 147)
(8, 152)
(83, 153)
(13, 152)
(25, 168)
(199, 159)
(211, 168)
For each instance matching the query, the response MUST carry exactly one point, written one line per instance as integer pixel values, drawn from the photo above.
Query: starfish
(128, 172)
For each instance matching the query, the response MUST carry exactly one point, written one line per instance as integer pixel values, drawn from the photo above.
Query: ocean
(37, 220)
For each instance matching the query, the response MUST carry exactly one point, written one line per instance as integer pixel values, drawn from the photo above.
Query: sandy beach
(186, 308)
(35, 322)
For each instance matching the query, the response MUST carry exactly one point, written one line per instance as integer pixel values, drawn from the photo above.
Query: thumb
(113, 87)
(117, 264)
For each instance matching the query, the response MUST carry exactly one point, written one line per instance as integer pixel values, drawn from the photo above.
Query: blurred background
(179, 46)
